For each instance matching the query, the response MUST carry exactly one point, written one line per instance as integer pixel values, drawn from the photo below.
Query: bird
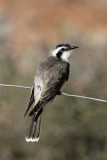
(51, 75)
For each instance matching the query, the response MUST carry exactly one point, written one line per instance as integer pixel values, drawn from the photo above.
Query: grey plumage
(50, 77)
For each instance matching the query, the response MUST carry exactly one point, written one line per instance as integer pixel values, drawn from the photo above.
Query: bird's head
(62, 51)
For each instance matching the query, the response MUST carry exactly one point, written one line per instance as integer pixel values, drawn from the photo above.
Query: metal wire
(70, 95)
(10, 85)
(90, 98)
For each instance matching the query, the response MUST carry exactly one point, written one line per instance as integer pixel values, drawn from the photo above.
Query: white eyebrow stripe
(57, 50)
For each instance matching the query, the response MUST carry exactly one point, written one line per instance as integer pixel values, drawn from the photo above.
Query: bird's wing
(31, 101)
(53, 77)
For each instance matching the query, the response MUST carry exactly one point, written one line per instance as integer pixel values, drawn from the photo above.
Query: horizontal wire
(70, 95)
(90, 98)
(10, 85)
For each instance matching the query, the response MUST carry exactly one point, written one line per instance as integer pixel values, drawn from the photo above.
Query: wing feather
(31, 101)
(52, 74)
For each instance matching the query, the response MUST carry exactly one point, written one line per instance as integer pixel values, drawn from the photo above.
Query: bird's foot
(59, 93)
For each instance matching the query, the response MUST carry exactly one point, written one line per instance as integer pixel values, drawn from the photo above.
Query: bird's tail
(33, 130)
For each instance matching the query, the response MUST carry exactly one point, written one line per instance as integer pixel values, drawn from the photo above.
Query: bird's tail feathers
(33, 131)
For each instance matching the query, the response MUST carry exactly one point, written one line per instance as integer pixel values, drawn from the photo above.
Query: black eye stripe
(59, 54)
(64, 49)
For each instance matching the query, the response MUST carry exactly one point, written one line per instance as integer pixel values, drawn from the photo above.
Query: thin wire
(10, 85)
(95, 99)
(70, 95)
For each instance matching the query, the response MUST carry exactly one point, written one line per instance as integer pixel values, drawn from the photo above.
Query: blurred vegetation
(72, 128)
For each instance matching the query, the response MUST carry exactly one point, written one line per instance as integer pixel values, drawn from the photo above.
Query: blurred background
(72, 128)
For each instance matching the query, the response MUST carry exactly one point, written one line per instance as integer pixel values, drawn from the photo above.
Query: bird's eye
(63, 49)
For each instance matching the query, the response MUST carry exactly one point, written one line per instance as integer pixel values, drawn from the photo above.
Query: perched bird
(50, 77)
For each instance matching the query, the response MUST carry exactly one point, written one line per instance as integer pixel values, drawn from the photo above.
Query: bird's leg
(59, 93)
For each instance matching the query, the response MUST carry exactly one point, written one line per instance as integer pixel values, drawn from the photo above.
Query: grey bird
(50, 77)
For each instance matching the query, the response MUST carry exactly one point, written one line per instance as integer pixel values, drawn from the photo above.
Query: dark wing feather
(54, 79)
(31, 101)
(54, 74)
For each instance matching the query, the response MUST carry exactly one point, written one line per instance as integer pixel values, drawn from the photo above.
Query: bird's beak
(74, 47)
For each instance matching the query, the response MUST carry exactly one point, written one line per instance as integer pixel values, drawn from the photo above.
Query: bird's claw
(59, 93)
